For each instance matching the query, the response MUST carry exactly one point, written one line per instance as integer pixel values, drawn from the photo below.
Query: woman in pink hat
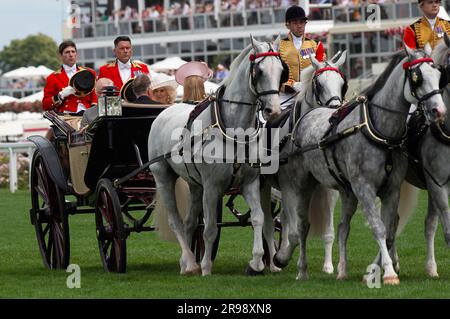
(192, 77)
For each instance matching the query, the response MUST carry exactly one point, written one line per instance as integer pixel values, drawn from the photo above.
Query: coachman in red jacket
(123, 68)
(59, 95)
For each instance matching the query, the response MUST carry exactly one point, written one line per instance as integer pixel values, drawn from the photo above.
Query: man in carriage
(296, 50)
(123, 68)
(70, 89)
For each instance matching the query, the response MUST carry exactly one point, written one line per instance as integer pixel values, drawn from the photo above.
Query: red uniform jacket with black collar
(57, 81)
(111, 71)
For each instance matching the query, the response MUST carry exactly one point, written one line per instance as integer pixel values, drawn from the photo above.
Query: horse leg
(268, 228)
(165, 180)
(437, 207)
(349, 205)
(390, 217)
(328, 236)
(191, 221)
(431, 223)
(251, 193)
(303, 229)
(367, 196)
(289, 236)
(211, 197)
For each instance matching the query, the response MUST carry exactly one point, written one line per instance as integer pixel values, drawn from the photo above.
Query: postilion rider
(296, 51)
(427, 29)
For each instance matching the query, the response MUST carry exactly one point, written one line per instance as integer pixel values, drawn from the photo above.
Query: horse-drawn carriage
(101, 170)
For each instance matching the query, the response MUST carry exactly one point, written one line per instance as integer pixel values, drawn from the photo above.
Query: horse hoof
(249, 271)
(391, 280)
(328, 269)
(191, 272)
(277, 263)
(342, 277)
(302, 277)
(275, 269)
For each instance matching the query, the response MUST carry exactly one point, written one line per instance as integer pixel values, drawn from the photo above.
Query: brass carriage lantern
(110, 103)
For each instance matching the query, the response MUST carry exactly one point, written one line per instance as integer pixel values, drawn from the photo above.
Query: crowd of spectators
(22, 83)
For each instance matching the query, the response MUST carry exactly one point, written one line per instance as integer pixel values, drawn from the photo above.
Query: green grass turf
(153, 271)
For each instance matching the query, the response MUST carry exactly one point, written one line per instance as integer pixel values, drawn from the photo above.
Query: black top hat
(126, 92)
(295, 12)
(83, 82)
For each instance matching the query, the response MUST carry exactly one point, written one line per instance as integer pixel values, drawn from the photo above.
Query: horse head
(266, 72)
(422, 83)
(329, 85)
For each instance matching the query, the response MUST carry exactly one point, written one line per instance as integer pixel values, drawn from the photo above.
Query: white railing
(12, 149)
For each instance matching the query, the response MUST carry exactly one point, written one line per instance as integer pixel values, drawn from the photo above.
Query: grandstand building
(216, 31)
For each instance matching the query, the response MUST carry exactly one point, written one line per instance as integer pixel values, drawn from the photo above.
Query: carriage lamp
(110, 104)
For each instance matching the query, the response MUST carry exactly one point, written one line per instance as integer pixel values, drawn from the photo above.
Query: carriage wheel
(109, 223)
(49, 217)
(198, 243)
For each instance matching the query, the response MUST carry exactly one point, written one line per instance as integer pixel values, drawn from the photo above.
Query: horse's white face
(267, 74)
(429, 76)
(330, 84)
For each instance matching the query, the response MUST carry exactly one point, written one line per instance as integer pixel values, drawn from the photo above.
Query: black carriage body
(118, 147)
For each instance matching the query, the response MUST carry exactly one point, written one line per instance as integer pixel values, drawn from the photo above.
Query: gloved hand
(68, 90)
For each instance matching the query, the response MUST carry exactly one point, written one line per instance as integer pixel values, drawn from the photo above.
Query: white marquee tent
(171, 63)
(28, 72)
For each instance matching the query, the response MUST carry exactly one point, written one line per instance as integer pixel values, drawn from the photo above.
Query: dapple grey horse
(322, 84)
(433, 151)
(253, 83)
(361, 158)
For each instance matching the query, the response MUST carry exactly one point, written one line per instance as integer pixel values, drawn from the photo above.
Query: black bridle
(414, 77)
(316, 86)
(254, 79)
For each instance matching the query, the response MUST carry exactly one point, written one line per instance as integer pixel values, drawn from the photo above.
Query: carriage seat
(134, 109)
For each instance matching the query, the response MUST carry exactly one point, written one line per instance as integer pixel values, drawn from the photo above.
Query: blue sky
(20, 18)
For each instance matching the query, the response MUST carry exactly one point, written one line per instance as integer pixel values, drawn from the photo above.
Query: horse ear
(427, 49)
(446, 40)
(276, 43)
(253, 42)
(315, 62)
(336, 56)
(341, 59)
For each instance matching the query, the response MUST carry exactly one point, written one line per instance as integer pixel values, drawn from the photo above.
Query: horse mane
(440, 53)
(235, 66)
(383, 77)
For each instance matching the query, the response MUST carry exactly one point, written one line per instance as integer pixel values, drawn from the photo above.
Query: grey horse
(433, 152)
(321, 85)
(253, 83)
(362, 158)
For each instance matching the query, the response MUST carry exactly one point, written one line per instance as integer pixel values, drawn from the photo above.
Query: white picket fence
(12, 149)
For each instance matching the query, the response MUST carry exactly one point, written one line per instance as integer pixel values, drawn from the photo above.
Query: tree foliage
(33, 50)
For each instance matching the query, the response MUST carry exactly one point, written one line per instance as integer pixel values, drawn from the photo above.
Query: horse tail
(407, 204)
(319, 211)
(160, 213)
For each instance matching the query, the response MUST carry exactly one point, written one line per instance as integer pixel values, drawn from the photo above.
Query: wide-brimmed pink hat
(193, 68)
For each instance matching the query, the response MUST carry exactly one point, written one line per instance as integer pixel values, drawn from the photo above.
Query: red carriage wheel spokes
(49, 216)
(110, 228)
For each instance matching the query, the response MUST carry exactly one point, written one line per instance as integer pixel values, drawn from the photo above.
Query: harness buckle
(322, 144)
